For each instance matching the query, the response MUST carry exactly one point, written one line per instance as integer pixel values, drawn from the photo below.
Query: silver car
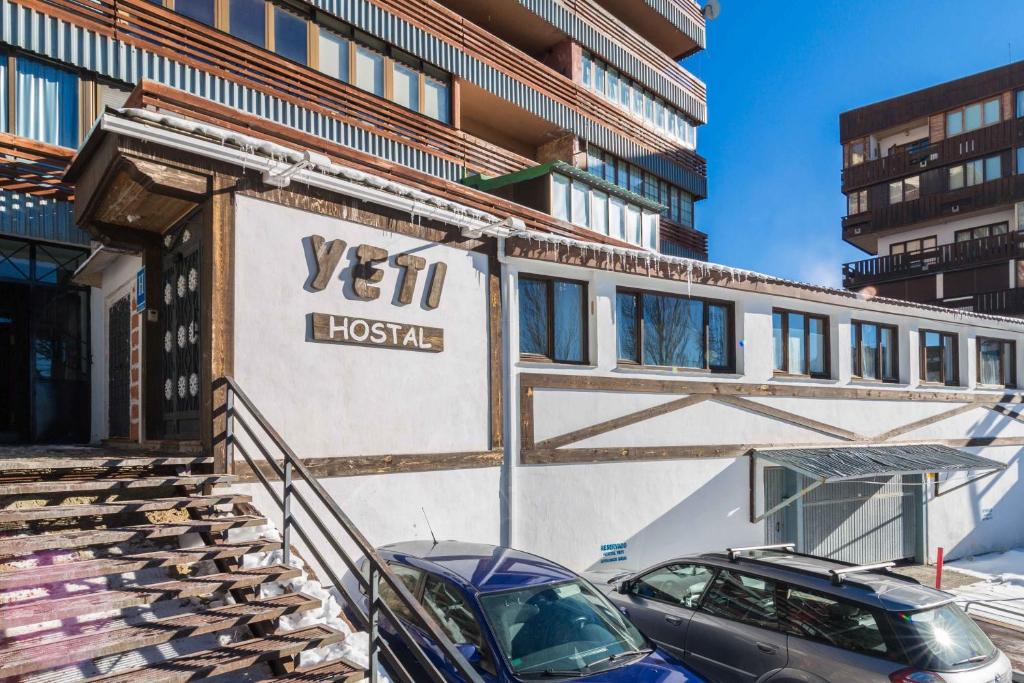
(770, 614)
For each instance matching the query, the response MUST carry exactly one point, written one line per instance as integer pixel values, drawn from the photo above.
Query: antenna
(711, 10)
(429, 528)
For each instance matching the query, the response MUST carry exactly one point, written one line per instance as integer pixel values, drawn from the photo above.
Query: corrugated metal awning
(858, 462)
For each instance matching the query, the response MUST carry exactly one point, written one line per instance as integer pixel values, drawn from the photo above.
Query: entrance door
(181, 315)
(14, 396)
(119, 367)
(861, 521)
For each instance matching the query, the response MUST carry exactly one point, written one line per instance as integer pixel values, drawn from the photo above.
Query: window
(1020, 160)
(46, 103)
(578, 202)
(200, 10)
(405, 83)
(746, 599)
(939, 357)
(801, 343)
(436, 96)
(247, 20)
(981, 231)
(913, 246)
(674, 331)
(333, 55)
(455, 617)
(678, 202)
(856, 152)
(676, 584)
(841, 624)
(290, 35)
(973, 116)
(560, 197)
(411, 578)
(1020, 103)
(552, 319)
(997, 361)
(370, 70)
(619, 90)
(975, 172)
(904, 190)
(856, 202)
(874, 352)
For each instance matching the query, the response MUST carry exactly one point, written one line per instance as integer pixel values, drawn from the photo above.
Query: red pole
(938, 570)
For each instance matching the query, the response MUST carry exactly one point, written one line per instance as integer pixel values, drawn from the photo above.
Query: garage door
(862, 521)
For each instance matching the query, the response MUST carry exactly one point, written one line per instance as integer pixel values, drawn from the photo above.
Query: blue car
(518, 617)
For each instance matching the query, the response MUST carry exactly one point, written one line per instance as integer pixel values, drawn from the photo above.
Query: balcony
(1001, 302)
(943, 258)
(912, 158)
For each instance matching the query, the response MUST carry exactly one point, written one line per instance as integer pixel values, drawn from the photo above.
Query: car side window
(411, 578)
(843, 624)
(455, 616)
(747, 599)
(676, 584)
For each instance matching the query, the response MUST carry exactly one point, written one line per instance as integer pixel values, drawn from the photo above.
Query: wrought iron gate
(180, 314)
(119, 370)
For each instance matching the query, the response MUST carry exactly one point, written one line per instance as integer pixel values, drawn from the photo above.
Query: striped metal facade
(680, 19)
(39, 218)
(567, 21)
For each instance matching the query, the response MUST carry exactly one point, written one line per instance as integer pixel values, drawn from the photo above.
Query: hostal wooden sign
(347, 329)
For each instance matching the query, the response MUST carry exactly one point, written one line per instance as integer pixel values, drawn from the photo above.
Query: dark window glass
(874, 351)
(15, 260)
(938, 357)
(816, 346)
(454, 616)
(57, 264)
(289, 35)
(800, 343)
(248, 21)
(746, 599)
(200, 10)
(718, 336)
(625, 325)
(676, 584)
(552, 319)
(673, 331)
(996, 362)
(840, 624)
(411, 578)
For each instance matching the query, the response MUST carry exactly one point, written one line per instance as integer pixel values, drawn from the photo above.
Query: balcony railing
(944, 257)
(1000, 302)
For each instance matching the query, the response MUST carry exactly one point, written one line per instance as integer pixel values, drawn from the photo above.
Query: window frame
(858, 200)
(961, 111)
(786, 312)
(1013, 361)
(922, 358)
(963, 166)
(903, 182)
(971, 231)
(774, 583)
(550, 281)
(87, 94)
(857, 334)
(638, 294)
(922, 250)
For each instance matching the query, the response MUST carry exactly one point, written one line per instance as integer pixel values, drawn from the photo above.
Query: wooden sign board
(347, 329)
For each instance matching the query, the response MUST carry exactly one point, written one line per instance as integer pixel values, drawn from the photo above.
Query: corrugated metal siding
(59, 40)
(39, 218)
(776, 528)
(861, 521)
(562, 18)
(681, 20)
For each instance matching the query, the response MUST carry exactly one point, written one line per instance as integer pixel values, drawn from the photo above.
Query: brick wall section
(135, 390)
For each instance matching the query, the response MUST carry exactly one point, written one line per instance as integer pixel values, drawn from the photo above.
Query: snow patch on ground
(999, 593)
(1004, 568)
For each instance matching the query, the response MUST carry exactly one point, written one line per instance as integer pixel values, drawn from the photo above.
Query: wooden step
(75, 462)
(48, 609)
(107, 566)
(29, 658)
(73, 486)
(19, 546)
(227, 659)
(338, 671)
(116, 508)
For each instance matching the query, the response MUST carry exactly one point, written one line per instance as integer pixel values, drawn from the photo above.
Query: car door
(734, 636)
(457, 619)
(661, 602)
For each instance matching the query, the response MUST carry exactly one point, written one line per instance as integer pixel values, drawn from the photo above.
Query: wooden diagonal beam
(925, 421)
(786, 416)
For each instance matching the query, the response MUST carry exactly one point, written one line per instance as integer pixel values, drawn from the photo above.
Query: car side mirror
(469, 652)
(624, 587)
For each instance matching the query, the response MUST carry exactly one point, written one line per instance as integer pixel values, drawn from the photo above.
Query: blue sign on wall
(140, 290)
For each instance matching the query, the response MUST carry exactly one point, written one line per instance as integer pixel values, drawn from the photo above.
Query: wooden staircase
(118, 565)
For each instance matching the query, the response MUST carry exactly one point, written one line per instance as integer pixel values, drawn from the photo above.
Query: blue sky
(779, 74)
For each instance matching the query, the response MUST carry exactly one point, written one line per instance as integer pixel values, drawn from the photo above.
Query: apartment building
(580, 112)
(933, 188)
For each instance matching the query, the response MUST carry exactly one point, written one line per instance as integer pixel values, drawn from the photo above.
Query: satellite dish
(712, 8)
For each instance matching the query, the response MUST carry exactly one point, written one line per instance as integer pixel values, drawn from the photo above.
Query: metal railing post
(286, 531)
(229, 430)
(373, 625)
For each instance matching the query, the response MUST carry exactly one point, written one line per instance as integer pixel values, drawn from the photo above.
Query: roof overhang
(851, 463)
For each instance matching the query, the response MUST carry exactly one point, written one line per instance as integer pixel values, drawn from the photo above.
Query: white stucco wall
(118, 280)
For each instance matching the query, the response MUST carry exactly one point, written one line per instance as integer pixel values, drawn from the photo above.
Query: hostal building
(580, 112)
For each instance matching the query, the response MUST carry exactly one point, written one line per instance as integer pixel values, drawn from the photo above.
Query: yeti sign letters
(347, 329)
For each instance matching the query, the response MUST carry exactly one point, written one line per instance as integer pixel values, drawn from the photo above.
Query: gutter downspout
(511, 445)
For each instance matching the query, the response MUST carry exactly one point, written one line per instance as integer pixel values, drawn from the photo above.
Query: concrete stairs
(119, 565)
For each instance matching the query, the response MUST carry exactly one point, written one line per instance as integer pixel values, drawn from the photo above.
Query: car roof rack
(734, 553)
(839, 575)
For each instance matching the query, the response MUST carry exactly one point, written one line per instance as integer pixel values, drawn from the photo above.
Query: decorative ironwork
(180, 313)
(119, 372)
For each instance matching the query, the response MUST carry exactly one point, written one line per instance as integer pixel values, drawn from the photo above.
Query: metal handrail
(290, 469)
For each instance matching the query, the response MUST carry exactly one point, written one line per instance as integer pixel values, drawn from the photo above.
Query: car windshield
(943, 639)
(562, 628)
